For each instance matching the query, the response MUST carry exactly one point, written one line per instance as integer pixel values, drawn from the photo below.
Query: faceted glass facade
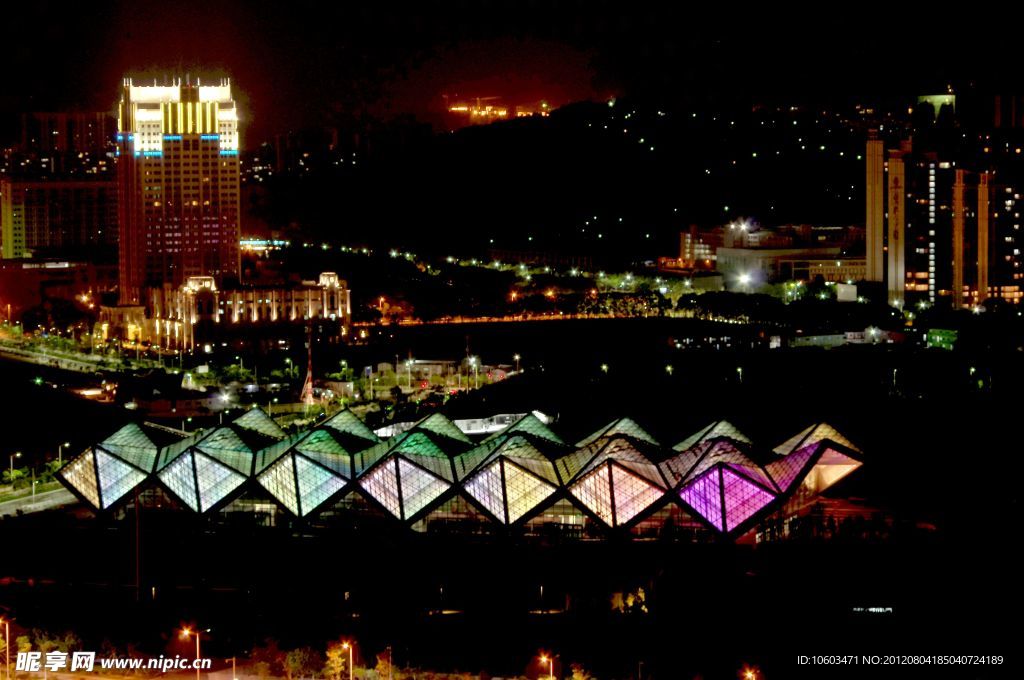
(524, 476)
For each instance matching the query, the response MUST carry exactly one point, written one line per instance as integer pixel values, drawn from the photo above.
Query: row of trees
(268, 660)
(19, 478)
(38, 640)
(308, 662)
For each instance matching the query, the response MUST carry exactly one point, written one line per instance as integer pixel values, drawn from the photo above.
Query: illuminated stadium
(431, 477)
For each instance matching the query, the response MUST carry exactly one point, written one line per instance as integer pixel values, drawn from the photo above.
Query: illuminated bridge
(432, 477)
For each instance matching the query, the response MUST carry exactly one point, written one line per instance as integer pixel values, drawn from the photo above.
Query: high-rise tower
(178, 185)
(875, 222)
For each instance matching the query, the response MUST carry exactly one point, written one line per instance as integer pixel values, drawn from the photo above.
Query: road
(42, 501)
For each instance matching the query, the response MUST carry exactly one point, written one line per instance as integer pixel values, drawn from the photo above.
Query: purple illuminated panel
(743, 498)
(704, 495)
(787, 468)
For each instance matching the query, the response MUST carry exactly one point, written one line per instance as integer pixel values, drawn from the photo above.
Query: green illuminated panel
(316, 484)
(216, 481)
(439, 424)
(132, 445)
(256, 420)
(321, 447)
(279, 480)
(226, 447)
(466, 463)
(347, 422)
(530, 424)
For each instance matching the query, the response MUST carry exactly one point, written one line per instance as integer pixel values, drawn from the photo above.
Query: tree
(44, 642)
(14, 477)
(580, 673)
(302, 662)
(383, 667)
(337, 659)
(268, 658)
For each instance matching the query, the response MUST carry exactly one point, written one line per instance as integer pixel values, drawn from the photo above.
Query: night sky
(297, 62)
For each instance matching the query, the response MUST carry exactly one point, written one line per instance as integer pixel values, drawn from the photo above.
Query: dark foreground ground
(942, 450)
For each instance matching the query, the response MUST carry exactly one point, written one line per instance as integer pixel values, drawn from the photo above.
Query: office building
(178, 177)
(57, 216)
(952, 231)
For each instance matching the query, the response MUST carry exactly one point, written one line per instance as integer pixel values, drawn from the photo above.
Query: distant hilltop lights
(483, 110)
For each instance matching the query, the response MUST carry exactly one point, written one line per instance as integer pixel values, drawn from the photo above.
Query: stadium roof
(617, 476)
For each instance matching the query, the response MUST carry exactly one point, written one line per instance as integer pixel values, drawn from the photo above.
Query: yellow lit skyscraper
(178, 185)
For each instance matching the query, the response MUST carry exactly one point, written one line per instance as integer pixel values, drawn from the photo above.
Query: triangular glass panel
(743, 499)
(466, 463)
(216, 481)
(530, 424)
(279, 480)
(485, 487)
(594, 491)
(703, 494)
(116, 477)
(80, 473)
(316, 484)
(180, 479)
(346, 422)
(132, 445)
(790, 444)
(419, 488)
(382, 484)
(694, 439)
(786, 469)
(523, 491)
(829, 469)
(321, 447)
(256, 420)
(633, 494)
(226, 447)
(440, 425)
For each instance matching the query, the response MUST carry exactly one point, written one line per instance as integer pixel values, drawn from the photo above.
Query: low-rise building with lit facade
(183, 316)
(524, 480)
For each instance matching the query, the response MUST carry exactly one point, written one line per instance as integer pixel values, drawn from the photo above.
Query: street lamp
(60, 451)
(185, 633)
(16, 454)
(351, 671)
(550, 661)
(516, 357)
